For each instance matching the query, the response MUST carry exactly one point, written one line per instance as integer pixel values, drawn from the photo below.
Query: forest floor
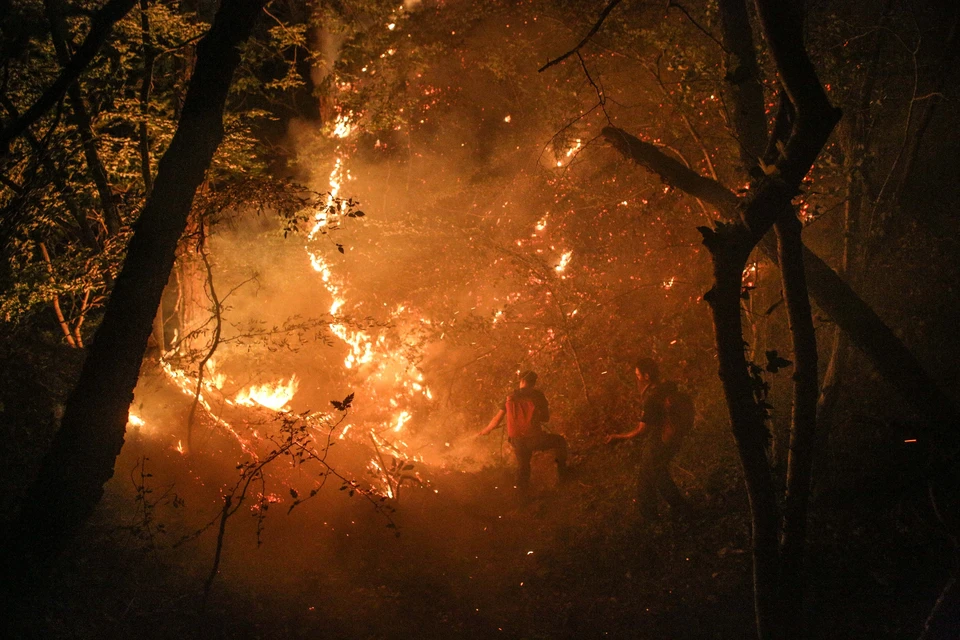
(475, 560)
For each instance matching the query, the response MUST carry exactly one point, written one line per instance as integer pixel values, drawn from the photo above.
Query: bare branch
(676, 5)
(596, 27)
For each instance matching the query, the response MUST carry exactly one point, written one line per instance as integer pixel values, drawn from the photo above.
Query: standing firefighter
(667, 416)
(526, 410)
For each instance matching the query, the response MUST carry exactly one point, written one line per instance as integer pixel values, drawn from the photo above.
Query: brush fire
(501, 319)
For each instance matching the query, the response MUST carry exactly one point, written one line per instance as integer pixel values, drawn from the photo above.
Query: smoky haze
(477, 256)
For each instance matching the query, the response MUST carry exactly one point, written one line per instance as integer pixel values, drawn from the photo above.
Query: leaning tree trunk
(84, 451)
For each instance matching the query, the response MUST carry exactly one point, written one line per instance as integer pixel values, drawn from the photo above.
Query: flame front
(276, 396)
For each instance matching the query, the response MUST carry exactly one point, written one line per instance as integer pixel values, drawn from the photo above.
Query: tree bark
(743, 85)
(730, 247)
(84, 451)
(803, 423)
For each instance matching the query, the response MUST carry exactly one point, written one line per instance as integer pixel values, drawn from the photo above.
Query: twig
(677, 5)
(64, 326)
(215, 341)
(224, 514)
(601, 99)
(596, 27)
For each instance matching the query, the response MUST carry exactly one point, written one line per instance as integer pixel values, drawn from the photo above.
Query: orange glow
(276, 396)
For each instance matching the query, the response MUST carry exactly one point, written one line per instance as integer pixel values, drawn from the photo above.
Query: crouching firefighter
(526, 410)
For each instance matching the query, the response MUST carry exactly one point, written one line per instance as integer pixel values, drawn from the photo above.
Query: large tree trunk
(84, 451)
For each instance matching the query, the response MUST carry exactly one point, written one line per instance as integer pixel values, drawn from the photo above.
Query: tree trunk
(84, 451)
(803, 423)
(730, 248)
(811, 120)
(145, 87)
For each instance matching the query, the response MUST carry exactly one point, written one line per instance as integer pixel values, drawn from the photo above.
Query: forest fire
(276, 396)
(390, 295)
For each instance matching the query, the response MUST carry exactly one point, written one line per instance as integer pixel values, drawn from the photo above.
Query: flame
(564, 261)
(276, 396)
(343, 127)
(135, 420)
(402, 420)
(188, 386)
(577, 145)
(750, 275)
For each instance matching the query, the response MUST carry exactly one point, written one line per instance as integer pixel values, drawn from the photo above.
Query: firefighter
(526, 410)
(667, 415)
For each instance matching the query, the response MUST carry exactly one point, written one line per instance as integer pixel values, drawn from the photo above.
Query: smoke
(480, 253)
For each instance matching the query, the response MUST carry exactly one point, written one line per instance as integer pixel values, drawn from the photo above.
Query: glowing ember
(274, 396)
(342, 126)
(578, 144)
(750, 275)
(402, 420)
(564, 261)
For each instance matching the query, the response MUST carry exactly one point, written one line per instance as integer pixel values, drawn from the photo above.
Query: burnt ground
(474, 560)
